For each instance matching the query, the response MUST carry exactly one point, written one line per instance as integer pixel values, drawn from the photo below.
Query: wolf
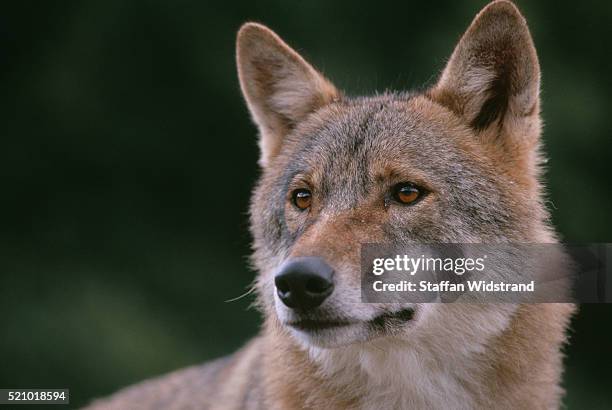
(458, 162)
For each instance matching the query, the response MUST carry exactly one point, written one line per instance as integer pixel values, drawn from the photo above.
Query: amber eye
(407, 193)
(302, 198)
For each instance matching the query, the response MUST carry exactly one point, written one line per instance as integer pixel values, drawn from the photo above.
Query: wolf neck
(522, 364)
(388, 375)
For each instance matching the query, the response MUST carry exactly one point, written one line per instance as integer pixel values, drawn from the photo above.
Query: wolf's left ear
(492, 79)
(279, 86)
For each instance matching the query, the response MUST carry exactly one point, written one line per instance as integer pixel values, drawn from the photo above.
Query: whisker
(248, 292)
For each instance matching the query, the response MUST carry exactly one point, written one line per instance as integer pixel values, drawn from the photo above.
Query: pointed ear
(279, 86)
(492, 79)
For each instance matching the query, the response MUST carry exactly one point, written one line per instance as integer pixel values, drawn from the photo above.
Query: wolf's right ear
(279, 86)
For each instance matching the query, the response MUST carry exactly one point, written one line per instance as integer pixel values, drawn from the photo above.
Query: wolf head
(458, 162)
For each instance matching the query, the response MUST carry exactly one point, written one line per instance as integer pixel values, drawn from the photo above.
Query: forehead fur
(377, 136)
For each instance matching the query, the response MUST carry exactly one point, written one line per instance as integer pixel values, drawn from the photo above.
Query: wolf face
(456, 163)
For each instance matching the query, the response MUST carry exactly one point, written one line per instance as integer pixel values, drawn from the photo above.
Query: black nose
(304, 283)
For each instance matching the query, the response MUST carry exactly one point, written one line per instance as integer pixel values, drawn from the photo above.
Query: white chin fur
(430, 365)
(330, 338)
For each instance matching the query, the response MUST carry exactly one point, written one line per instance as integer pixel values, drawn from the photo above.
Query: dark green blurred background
(128, 157)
